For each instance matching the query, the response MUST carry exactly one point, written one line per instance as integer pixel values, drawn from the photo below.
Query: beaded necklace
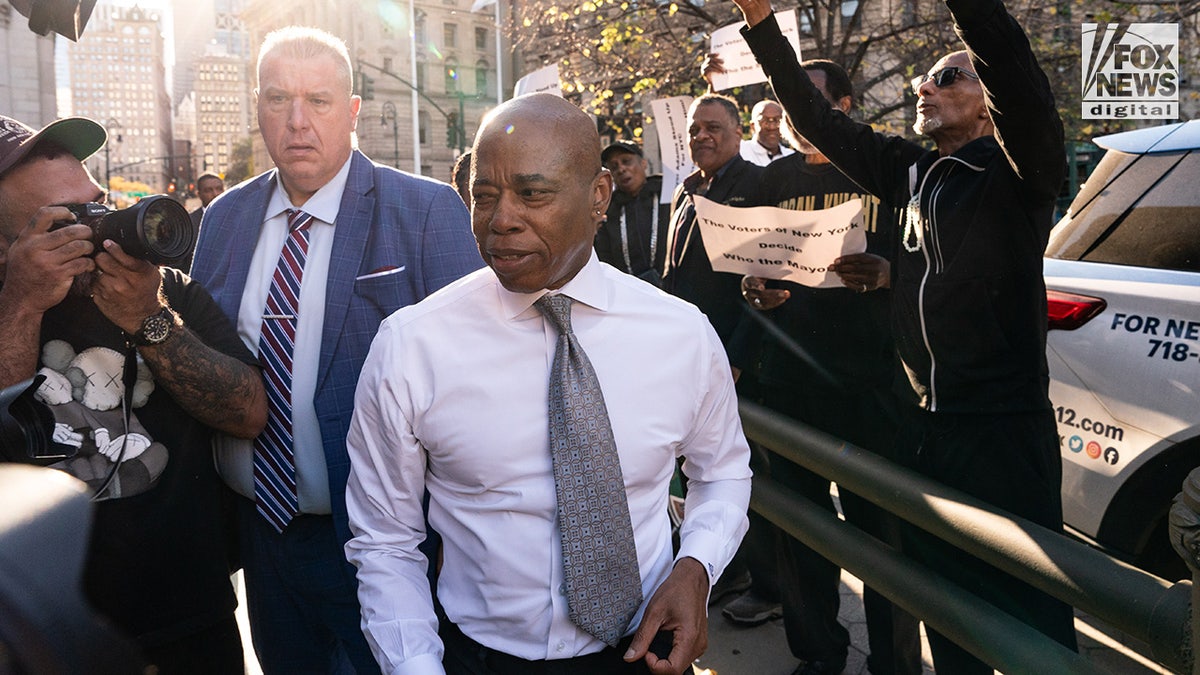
(912, 224)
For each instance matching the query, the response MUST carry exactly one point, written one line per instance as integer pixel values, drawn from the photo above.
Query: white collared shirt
(235, 455)
(453, 398)
(753, 152)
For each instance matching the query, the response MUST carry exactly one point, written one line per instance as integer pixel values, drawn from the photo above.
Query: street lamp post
(459, 131)
(389, 111)
(462, 124)
(111, 124)
(455, 125)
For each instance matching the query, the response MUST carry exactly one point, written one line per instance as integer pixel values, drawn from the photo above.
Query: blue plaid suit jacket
(387, 219)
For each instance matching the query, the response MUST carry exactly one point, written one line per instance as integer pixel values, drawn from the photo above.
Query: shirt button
(562, 589)
(560, 646)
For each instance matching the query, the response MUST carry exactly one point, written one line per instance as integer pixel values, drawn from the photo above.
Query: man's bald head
(553, 116)
(538, 191)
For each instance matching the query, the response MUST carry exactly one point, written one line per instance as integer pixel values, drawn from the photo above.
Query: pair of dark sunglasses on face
(942, 78)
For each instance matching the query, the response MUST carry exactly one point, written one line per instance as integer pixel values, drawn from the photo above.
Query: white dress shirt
(235, 456)
(753, 152)
(453, 398)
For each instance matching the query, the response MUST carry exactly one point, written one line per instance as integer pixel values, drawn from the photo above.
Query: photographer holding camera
(141, 368)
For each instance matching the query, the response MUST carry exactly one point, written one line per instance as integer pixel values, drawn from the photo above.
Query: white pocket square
(382, 272)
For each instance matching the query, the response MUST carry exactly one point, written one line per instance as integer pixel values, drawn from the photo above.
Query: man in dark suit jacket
(208, 186)
(715, 137)
(723, 176)
(379, 240)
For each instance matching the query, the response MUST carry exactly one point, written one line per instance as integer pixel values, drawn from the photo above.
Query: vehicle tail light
(1068, 311)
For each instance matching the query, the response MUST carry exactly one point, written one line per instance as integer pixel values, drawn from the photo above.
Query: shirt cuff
(701, 546)
(421, 664)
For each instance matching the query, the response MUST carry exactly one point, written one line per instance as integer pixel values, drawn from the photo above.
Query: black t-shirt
(846, 333)
(157, 564)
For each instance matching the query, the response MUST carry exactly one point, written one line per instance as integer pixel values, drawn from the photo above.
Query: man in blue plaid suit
(379, 239)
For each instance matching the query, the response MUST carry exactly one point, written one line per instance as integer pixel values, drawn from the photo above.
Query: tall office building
(195, 27)
(222, 102)
(200, 24)
(118, 78)
(210, 89)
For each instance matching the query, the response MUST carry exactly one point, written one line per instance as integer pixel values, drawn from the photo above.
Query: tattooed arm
(218, 390)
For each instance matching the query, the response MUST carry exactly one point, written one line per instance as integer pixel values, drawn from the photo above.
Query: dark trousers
(216, 650)
(302, 596)
(810, 584)
(757, 552)
(1012, 462)
(465, 656)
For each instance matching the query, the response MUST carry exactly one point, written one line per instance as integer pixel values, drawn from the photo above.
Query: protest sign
(670, 119)
(541, 80)
(741, 68)
(774, 243)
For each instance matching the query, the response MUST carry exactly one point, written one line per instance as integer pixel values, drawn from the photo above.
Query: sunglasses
(942, 78)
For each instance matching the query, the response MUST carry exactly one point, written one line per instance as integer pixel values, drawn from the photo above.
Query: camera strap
(128, 380)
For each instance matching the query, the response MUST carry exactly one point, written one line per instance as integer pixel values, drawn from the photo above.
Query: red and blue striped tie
(274, 456)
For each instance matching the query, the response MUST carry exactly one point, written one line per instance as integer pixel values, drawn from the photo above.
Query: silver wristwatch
(156, 328)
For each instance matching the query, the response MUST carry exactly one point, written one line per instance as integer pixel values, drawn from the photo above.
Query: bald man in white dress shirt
(453, 399)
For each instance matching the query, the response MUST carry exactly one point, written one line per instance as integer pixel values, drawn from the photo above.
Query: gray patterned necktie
(604, 585)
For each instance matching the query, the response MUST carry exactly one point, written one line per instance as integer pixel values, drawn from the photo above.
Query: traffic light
(366, 86)
(452, 130)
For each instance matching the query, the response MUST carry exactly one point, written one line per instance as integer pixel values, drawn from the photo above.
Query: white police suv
(1122, 275)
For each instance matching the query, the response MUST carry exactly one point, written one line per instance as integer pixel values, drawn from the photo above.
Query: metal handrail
(1136, 602)
(998, 638)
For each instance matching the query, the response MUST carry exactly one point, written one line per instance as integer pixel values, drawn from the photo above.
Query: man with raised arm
(968, 300)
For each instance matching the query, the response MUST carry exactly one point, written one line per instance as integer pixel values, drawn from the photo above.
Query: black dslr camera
(157, 229)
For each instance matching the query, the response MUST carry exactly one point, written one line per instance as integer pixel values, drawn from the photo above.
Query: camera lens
(166, 230)
(156, 229)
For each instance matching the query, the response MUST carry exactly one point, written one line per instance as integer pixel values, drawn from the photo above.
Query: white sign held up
(774, 243)
(541, 80)
(740, 67)
(670, 119)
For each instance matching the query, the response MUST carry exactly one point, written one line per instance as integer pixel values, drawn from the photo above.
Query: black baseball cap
(621, 146)
(78, 135)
